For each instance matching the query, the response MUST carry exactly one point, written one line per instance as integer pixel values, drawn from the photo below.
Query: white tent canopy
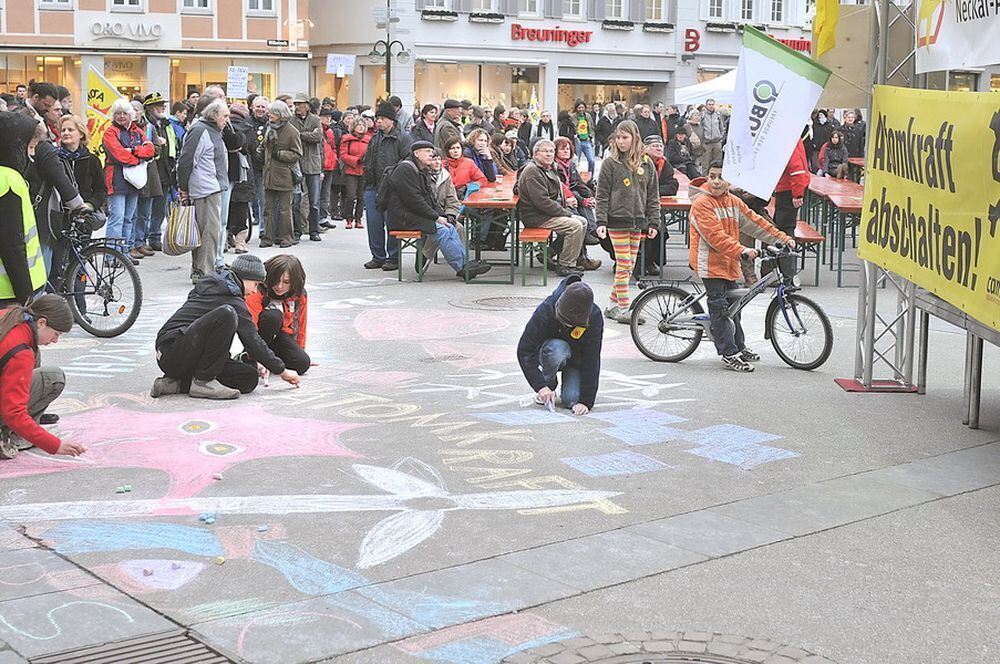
(721, 89)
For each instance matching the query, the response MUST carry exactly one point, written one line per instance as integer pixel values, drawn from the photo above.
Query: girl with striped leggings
(628, 209)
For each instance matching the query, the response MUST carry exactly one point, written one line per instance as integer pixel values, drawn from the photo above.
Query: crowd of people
(295, 166)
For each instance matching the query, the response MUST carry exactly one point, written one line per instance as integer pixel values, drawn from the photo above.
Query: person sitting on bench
(192, 347)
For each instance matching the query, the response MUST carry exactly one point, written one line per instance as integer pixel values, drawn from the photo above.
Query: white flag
(776, 91)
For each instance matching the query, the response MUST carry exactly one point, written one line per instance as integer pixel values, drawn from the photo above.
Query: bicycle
(99, 281)
(668, 322)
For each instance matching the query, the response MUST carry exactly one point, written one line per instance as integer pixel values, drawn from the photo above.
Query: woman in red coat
(26, 391)
(462, 169)
(124, 145)
(353, 147)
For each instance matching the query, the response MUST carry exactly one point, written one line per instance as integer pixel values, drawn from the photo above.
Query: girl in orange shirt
(279, 309)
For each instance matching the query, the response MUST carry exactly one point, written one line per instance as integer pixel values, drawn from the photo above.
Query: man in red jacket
(789, 195)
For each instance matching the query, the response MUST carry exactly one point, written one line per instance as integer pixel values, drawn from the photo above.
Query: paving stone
(816, 659)
(498, 587)
(578, 642)
(610, 637)
(598, 651)
(547, 649)
(311, 630)
(521, 658)
(762, 644)
(60, 621)
(724, 649)
(602, 560)
(819, 506)
(731, 638)
(778, 659)
(636, 636)
(11, 657)
(948, 474)
(793, 653)
(697, 636)
(12, 540)
(30, 572)
(659, 646)
(566, 658)
(708, 533)
(664, 635)
(754, 656)
(692, 646)
(626, 648)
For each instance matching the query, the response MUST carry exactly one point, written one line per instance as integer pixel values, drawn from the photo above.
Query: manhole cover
(499, 303)
(675, 658)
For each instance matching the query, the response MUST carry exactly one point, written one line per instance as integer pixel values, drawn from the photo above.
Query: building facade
(509, 51)
(170, 46)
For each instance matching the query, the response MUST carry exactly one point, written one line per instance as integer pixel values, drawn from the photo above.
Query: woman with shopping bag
(127, 153)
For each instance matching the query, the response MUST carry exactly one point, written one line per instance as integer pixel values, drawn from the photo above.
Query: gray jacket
(311, 132)
(203, 165)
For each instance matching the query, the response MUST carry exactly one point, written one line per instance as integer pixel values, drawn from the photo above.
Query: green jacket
(282, 151)
(626, 198)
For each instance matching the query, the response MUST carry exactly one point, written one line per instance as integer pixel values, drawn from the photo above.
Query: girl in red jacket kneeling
(26, 391)
(280, 310)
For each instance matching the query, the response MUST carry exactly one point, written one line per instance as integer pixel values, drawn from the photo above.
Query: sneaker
(736, 363)
(565, 270)
(475, 268)
(48, 418)
(328, 224)
(613, 312)
(314, 237)
(163, 386)
(8, 448)
(212, 389)
(390, 266)
(585, 263)
(374, 264)
(748, 355)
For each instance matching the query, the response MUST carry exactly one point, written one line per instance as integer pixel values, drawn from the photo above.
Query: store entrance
(628, 93)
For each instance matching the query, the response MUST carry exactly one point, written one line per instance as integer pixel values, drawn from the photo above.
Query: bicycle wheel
(801, 334)
(656, 339)
(103, 290)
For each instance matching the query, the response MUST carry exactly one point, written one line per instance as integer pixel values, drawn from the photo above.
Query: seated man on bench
(412, 205)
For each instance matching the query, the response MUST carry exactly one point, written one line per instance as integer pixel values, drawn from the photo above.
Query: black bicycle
(98, 279)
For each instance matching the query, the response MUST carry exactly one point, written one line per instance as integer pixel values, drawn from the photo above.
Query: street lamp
(385, 49)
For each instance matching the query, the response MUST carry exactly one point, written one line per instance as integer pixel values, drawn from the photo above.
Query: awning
(721, 89)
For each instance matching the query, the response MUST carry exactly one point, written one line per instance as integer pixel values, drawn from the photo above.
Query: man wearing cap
(192, 347)
(311, 134)
(414, 207)
(564, 335)
(387, 148)
(158, 133)
(449, 125)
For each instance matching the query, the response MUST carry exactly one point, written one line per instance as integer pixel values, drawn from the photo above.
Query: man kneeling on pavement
(192, 347)
(564, 335)
(414, 206)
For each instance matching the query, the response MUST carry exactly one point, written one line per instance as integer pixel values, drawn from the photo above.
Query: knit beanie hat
(385, 110)
(574, 306)
(249, 267)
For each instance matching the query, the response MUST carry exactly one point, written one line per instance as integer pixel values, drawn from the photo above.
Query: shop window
(529, 8)
(963, 81)
(746, 10)
(995, 83)
(127, 6)
(196, 6)
(616, 10)
(260, 7)
(656, 11)
(572, 8)
(777, 11)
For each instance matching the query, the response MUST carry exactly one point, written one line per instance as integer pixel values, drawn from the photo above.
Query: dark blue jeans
(382, 245)
(553, 357)
(727, 333)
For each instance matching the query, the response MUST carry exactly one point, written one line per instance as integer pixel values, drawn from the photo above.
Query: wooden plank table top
(826, 187)
(497, 195)
(857, 161)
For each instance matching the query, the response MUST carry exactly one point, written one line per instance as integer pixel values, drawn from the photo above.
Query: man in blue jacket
(564, 335)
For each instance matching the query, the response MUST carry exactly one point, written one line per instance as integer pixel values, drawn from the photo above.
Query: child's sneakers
(736, 363)
(748, 355)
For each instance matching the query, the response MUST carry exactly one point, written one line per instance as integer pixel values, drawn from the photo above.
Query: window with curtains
(616, 10)
(656, 11)
(746, 10)
(529, 8)
(573, 8)
(777, 11)
(714, 9)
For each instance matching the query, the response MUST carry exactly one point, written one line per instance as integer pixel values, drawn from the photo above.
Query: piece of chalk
(175, 566)
(263, 529)
(147, 572)
(220, 560)
(128, 488)
(551, 405)
(120, 489)
(210, 520)
(217, 476)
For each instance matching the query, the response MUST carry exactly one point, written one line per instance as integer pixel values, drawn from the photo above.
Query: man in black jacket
(192, 347)
(414, 207)
(387, 148)
(564, 335)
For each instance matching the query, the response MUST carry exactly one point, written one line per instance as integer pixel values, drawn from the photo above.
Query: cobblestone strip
(623, 647)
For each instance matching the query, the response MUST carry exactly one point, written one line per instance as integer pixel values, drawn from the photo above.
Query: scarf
(277, 126)
(72, 155)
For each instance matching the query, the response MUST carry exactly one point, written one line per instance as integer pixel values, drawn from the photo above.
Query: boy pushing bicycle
(716, 218)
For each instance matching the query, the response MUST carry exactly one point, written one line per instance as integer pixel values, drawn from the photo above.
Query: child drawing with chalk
(279, 309)
(564, 336)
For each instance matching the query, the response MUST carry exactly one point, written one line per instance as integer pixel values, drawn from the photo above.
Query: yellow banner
(932, 194)
(97, 124)
(100, 93)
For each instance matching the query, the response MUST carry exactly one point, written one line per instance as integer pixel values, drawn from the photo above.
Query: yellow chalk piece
(220, 560)
(628, 182)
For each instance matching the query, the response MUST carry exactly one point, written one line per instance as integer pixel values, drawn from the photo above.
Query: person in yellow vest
(22, 268)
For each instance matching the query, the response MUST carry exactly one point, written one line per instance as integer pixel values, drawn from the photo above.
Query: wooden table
(831, 205)
(498, 196)
(855, 167)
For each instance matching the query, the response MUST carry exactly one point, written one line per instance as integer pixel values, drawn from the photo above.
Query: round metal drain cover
(673, 658)
(499, 303)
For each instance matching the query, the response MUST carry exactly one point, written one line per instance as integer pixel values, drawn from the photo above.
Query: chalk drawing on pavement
(736, 445)
(526, 417)
(159, 574)
(424, 324)
(106, 611)
(612, 464)
(359, 302)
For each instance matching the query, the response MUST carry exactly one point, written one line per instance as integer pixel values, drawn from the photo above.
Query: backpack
(385, 194)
